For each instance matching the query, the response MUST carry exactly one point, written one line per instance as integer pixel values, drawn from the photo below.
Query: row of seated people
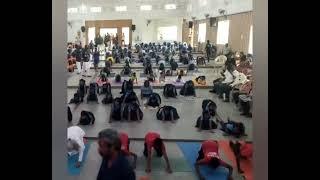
(236, 81)
(114, 147)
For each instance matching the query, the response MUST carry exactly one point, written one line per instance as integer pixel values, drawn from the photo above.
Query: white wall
(198, 8)
(145, 33)
(149, 33)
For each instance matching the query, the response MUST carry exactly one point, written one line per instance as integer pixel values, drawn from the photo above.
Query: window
(146, 8)
(202, 32)
(111, 31)
(95, 9)
(170, 6)
(223, 32)
(250, 41)
(91, 34)
(169, 33)
(126, 34)
(121, 8)
(72, 10)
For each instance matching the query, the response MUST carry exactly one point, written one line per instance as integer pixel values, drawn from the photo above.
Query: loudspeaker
(213, 21)
(190, 24)
(133, 27)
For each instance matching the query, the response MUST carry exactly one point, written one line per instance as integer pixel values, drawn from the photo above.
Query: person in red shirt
(241, 150)
(209, 155)
(125, 142)
(153, 140)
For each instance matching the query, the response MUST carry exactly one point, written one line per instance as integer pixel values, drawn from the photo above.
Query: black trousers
(245, 106)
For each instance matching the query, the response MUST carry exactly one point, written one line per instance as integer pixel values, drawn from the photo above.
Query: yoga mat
(74, 158)
(246, 165)
(190, 151)
(159, 164)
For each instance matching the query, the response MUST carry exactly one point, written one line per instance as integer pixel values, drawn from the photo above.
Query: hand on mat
(148, 170)
(240, 171)
(77, 165)
(168, 169)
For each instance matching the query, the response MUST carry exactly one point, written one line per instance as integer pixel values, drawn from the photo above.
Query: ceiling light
(170, 6)
(72, 10)
(146, 8)
(121, 8)
(95, 9)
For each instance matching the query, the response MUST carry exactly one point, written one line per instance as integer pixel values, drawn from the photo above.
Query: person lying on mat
(115, 165)
(241, 150)
(153, 140)
(75, 143)
(209, 155)
(125, 142)
(236, 129)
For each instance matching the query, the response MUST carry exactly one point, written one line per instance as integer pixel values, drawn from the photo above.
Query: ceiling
(185, 8)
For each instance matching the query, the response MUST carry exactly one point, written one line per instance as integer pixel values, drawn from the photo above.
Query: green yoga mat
(159, 164)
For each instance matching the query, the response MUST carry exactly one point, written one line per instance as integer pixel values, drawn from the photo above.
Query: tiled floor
(188, 108)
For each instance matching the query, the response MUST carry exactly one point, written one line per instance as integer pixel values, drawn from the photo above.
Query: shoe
(243, 114)
(212, 91)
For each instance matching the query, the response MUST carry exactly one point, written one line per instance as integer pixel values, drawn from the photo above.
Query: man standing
(208, 49)
(114, 164)
(226, 49)
(86, 61)
(75, 142)
(78, 54)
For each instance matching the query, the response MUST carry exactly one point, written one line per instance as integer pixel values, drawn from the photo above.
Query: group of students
(114, 148)
(236, 81)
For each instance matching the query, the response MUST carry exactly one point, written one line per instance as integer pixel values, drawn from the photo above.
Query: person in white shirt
(75, 142)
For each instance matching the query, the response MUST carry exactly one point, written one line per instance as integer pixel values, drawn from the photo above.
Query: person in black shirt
(78, 54)
(114, 165)
(91, 46)
(86, 60)
(208, 49)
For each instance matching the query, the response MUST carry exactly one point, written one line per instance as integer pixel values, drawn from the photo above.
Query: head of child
(146, 83)
(214, 163)
(181, 72)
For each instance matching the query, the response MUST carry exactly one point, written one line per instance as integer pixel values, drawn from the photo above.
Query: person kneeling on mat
(243, 150)
(125, 142)
(75, 143)
(114, 164)
(209, 155)
(153, 140)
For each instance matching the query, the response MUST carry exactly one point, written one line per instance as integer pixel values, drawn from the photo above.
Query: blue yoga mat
(74, 158)
(190, 151)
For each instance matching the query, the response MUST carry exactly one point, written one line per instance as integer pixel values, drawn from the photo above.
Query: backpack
(168, 73)
(69, 115)
(209, 105)
(86, 118)
(126, 85)
(93, 90)
(161, 67)
(132, 109)
(148, 69)
(169, 90)
(154, 100)
(116, 109)
(76, 98)
(191, 67)
(106, 88)
(174, 66)
(118, 78)
(129, 96)
(82, 88)
(126, 70)
(204, 119)
(167, 113)
(108, 98)
(188, 89)
(237, 130)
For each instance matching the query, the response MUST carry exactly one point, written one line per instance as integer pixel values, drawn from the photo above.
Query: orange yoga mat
(246, 165)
